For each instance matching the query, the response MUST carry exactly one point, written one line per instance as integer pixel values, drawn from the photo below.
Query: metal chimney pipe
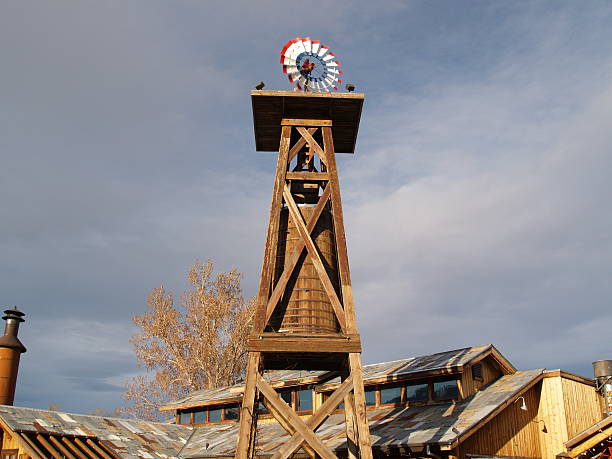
(603, 382)
(10, 352)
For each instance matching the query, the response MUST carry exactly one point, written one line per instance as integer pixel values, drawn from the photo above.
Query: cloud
(475, 205)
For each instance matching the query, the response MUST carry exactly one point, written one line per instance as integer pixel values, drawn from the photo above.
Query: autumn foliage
(200, 345)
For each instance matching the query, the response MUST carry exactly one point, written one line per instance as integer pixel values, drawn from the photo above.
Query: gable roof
(428, 365)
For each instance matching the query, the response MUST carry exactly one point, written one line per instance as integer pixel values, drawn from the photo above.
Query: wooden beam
(61, 447)
(352, 435)
(73, 448)
(304, 122)
(336, 202)
(247, 409)
(88, 451)
(98, 450)
(279, 289)
(308, 176)
(43, 441)
(296, 422)
(287, 426)
(272, 342)
(269, 261)
(30, 446)
(315, 258)
(299, 145)
(315, 421)
(313, 143)
(361, 416)
(585, 445)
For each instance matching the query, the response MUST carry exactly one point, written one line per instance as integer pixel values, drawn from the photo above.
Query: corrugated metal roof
(390, 428)
(448, 361)
(128, 437)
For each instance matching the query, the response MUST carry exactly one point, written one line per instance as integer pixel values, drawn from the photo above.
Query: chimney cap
(14, 313)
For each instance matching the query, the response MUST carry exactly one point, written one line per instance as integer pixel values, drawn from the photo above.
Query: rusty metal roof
(129, 438)
(442, 362)
(391, 428)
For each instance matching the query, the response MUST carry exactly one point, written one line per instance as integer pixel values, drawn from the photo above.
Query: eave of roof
(447, 362)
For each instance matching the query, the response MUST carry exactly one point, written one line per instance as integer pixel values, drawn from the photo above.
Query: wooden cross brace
(303, 431)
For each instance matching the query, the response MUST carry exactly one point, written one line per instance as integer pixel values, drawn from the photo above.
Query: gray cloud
(476, 204)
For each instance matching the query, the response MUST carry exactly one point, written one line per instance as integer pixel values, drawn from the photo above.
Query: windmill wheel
(310, 66)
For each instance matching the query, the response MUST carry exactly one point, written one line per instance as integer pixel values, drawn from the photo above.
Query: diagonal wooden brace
(300, 144)
(315, 258)
(292, 418)
(279, 289)
(312, 142)
(316, 419)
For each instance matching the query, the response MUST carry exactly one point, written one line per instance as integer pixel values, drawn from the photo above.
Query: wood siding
(490, 372)
(582, 407)
(513, 432)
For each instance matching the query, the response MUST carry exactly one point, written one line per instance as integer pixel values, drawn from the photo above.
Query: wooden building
(466, 403)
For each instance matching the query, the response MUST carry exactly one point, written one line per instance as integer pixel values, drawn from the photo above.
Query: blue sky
(476, 205)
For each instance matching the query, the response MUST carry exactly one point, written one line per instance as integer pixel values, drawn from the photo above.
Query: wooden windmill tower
(305, 315)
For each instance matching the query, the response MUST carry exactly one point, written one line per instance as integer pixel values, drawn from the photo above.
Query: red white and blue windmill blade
(310, 66)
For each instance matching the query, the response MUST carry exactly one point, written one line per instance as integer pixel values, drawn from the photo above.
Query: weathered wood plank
(363, 428)
(98, 450)
(315, 420)
(269, 261)
(247, 408)
(313, 343)
(43, 441)
(313, 143)
(73, 448)
(336, 202)
(88, 451)
(292, 418)
(61, 447)
(309, 176)
(305, 122)
(315, 258)
(287, 426)
(299, 144)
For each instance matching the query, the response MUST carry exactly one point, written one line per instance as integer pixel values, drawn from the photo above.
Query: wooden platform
(270, 107)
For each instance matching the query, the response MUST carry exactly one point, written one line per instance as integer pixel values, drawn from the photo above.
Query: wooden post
(305, 264)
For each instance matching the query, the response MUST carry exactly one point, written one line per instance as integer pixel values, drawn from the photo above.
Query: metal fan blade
(307, 44)
(316, 44)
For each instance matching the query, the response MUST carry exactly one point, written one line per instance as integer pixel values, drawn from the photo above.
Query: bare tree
(201, 346)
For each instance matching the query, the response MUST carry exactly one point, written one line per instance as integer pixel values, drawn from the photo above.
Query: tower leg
(363, 429)
(246, 434)
(351, 427)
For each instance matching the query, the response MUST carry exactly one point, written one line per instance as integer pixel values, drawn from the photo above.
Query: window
(185, 417)
(199, 416)
(390, 395)
(231, 412)
(214, 414)
(445, 390)
(304, 400)
(286, 396)
(370, 397)
(477, 372)
(417, 392)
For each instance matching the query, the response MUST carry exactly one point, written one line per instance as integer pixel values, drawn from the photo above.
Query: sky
(476, 205)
